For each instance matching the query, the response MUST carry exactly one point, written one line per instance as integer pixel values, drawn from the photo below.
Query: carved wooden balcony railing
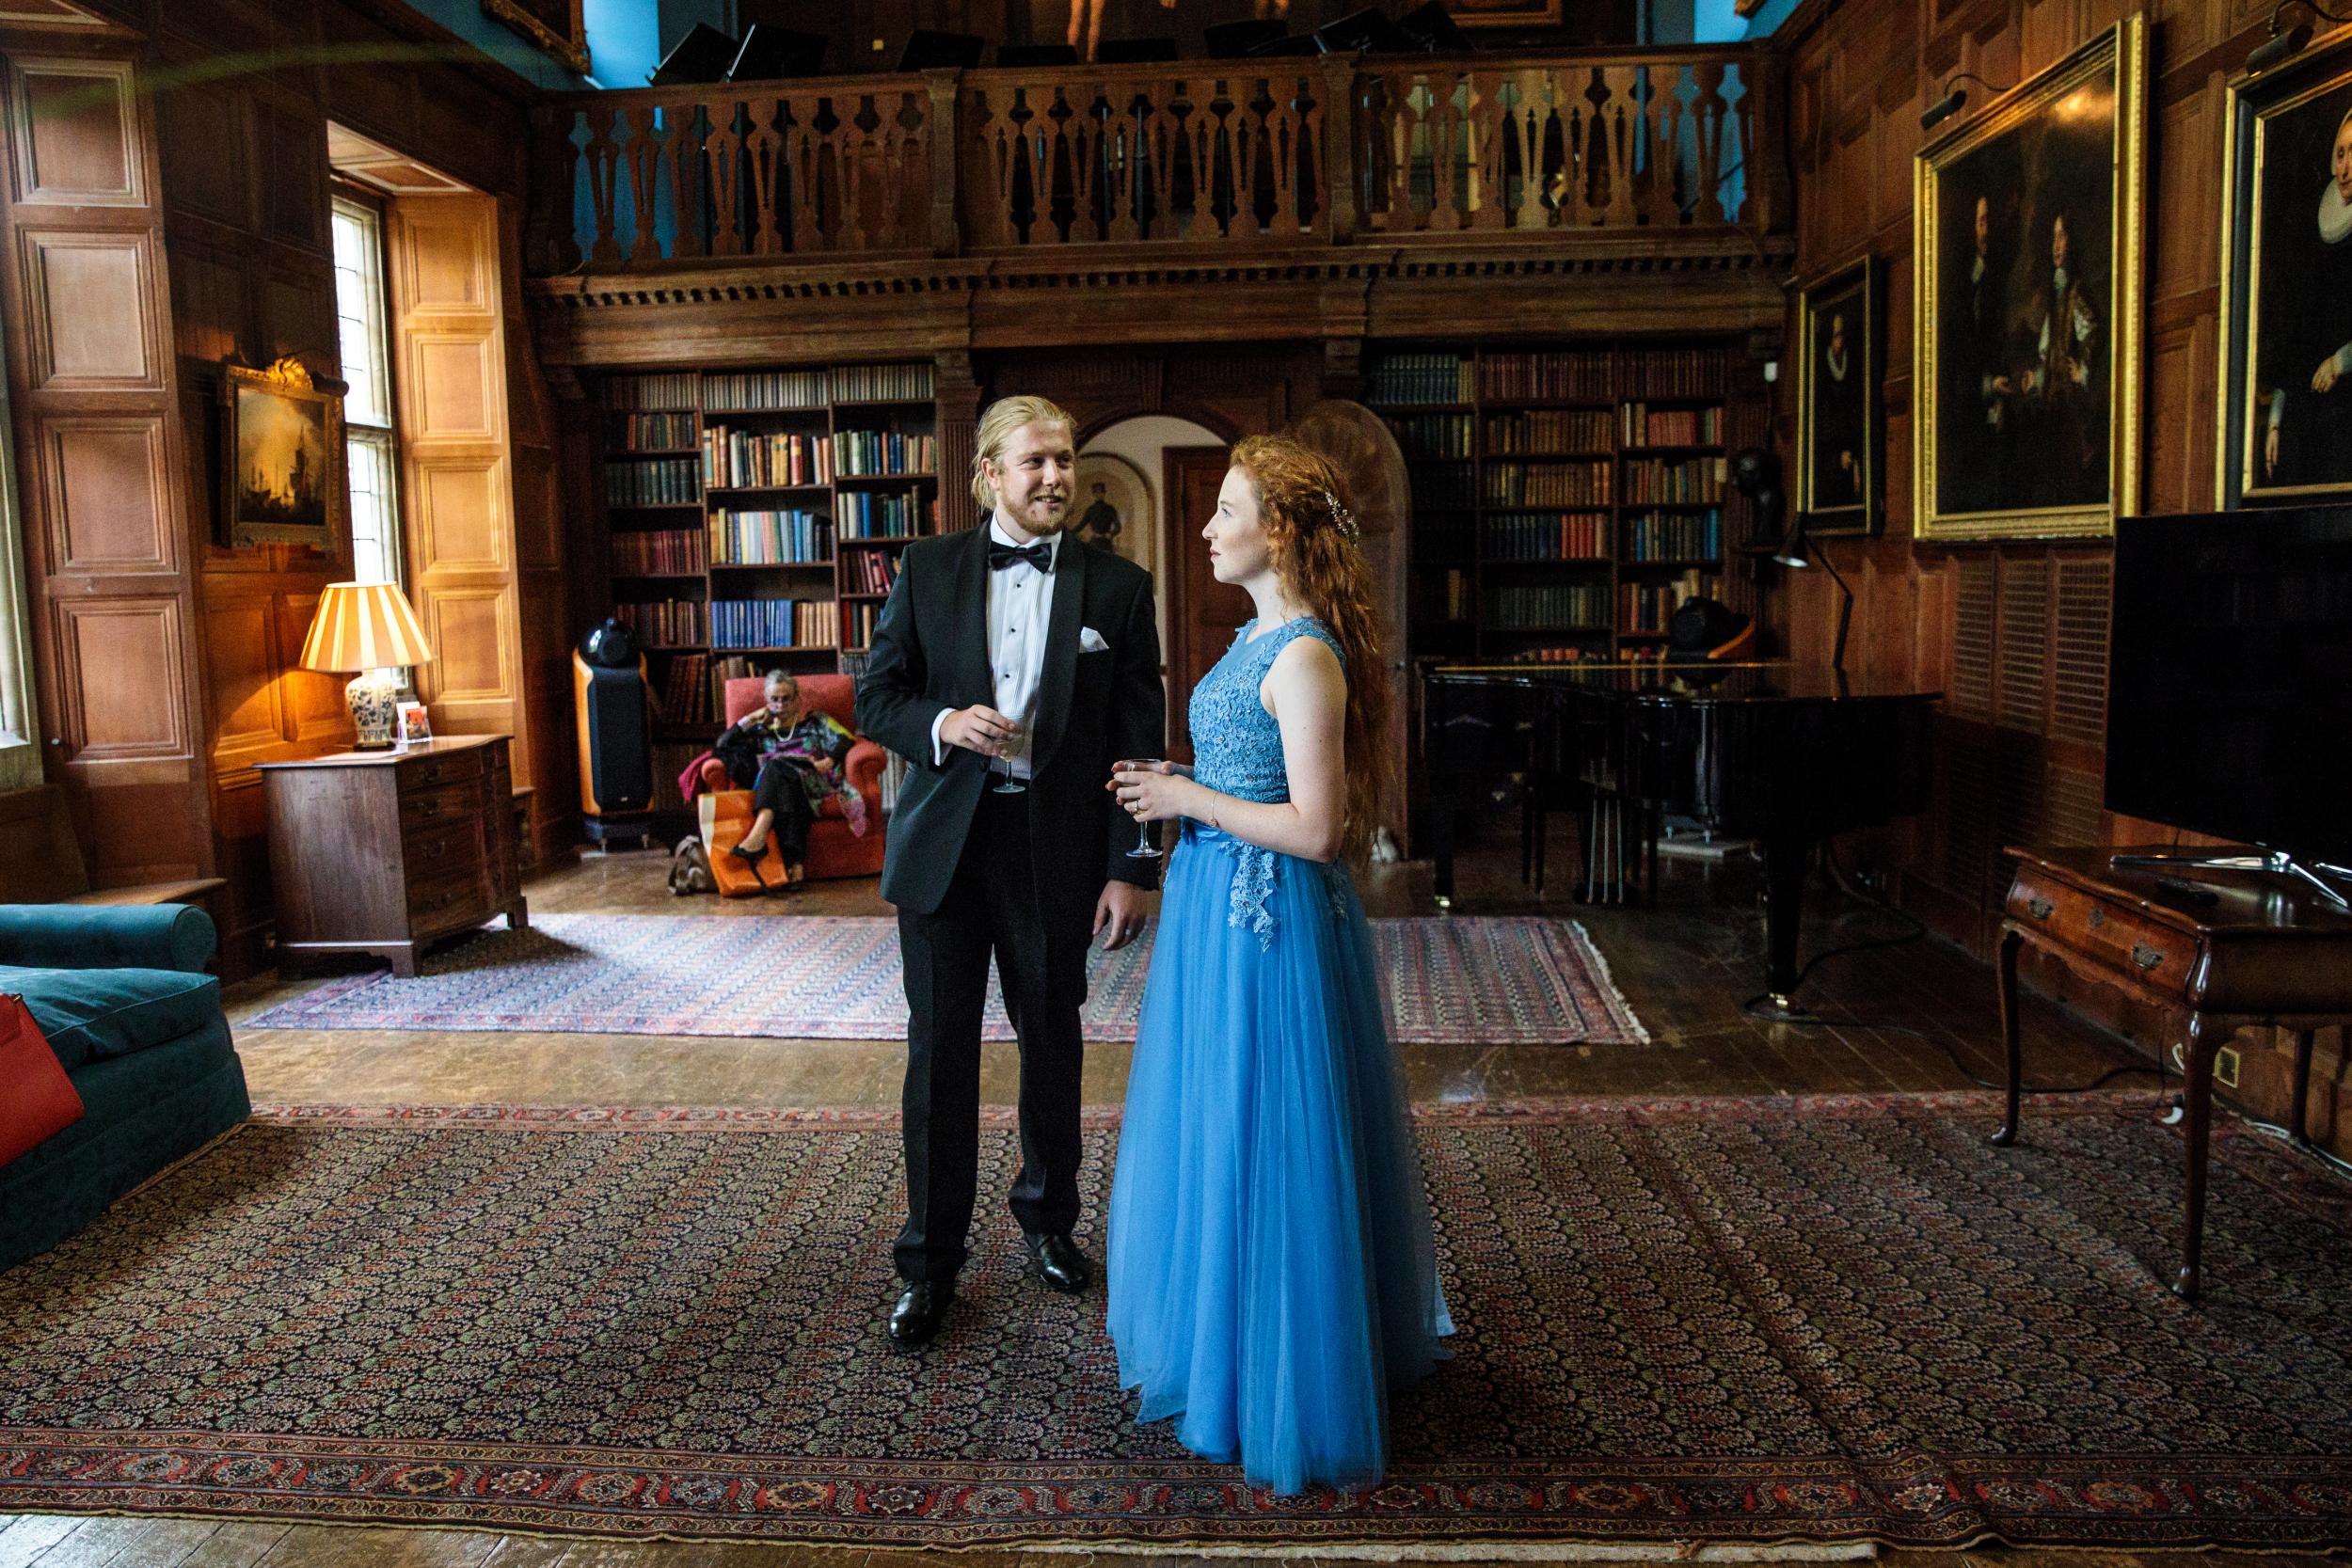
(1213, 158)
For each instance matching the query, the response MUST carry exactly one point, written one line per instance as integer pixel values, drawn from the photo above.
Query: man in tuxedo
(1008, 653)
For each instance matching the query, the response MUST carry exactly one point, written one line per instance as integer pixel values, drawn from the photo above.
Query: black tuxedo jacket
(931, 654)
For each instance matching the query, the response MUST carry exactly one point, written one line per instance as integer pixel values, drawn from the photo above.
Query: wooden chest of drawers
(382, 851)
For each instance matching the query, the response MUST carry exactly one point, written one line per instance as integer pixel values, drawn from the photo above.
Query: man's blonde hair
(1004, 417)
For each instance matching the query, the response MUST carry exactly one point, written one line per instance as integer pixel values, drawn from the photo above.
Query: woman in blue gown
(1271, 1273)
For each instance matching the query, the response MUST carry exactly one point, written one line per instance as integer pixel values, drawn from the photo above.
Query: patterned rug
(1820, 1320)
(1474, 980)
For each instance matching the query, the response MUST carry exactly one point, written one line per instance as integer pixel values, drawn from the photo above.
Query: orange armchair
(832, 850)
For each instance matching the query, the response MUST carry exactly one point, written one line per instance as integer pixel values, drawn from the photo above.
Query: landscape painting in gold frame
(2285, 408)
(2028, 265)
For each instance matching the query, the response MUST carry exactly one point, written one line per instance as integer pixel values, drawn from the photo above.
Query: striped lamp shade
(364, 626)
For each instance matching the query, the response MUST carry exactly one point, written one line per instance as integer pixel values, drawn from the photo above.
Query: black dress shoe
(1060, 1262)
(921, 1305)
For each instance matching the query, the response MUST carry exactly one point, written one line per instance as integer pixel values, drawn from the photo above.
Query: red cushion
(40, 1102)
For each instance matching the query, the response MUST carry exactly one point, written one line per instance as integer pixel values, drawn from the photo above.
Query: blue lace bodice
(1237, 751)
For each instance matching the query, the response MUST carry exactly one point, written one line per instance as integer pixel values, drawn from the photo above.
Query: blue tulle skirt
(1271, 1274)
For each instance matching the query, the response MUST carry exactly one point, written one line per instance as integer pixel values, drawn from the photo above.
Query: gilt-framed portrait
(2285, 407)
(2028, 261)
(1112, 508)
(283, 470)
(1841, 371)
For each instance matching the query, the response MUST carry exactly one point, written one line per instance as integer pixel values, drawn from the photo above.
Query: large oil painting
(2028, 263)
(2286, 272)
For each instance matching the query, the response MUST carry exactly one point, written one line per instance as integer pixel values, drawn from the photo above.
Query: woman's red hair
(1310, 536)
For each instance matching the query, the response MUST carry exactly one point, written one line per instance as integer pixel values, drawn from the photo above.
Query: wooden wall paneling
(449, 364)
(85, 295)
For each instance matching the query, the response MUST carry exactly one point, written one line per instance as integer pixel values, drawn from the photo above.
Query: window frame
(382, 440)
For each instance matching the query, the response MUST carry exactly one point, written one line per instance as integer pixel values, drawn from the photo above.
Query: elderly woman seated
(790, 759)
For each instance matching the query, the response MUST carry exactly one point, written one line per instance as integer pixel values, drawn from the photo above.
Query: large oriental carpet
(1744, 1321)
(1474, 980)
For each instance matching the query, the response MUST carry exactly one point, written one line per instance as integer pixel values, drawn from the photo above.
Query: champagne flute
(1007, 783)
(1145, 849)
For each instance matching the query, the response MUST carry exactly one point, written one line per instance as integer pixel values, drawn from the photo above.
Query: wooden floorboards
(1915, 1016)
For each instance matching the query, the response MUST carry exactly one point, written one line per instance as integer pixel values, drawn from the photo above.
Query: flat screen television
(2229, 677)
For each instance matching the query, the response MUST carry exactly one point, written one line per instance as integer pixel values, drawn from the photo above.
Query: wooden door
(1202, 612)
(1357, 443)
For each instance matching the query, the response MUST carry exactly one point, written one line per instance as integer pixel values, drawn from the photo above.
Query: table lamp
(366, 628)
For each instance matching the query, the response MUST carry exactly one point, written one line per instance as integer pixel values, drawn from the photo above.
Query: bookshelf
(1566, 497)
(752, 520)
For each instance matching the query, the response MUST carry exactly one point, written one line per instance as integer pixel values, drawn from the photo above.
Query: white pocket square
(1091, 641)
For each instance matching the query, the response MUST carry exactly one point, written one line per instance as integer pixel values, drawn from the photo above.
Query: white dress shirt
(1020, 607)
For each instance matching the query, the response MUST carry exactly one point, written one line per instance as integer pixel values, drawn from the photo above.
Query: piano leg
(1442, 808)
(1786, 859)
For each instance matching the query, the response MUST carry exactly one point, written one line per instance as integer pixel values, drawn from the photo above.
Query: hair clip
(1341, 518)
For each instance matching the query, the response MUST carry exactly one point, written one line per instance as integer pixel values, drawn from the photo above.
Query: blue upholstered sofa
(122, 996)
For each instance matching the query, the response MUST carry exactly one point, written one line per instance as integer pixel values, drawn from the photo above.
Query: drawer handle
(2098, 917)
(2146, 957)
(2039, 907)
(430, 808)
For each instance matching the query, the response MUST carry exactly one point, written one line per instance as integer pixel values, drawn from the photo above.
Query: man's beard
(1041, 527)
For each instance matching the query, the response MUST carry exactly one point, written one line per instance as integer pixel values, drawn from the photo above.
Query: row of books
(733, 391)
(869, 571)
(871, 383)
(1646, 426)
(882, 451)
(1573, 654)
(1548, 430)
(749, 459)
(1648, 607)
(1674, 536)
(661, 481)
(654, 432)
(775, 624)
(1570, 536)
(1672, 373)
(858, 622)
(1531, 377)
(662, 551)
(1546, 484)
(674, 390)
(1444, 536)
(1443, 486)
(686, 692)
(879, 515)
(770, 538)
(1552, 605)
(1418, 378)
(664, 623)
(1433, 435)
(1689, 478)
(1449, 593)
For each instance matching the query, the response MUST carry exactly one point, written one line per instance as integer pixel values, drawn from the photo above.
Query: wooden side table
(2261, 952)
(384, 852)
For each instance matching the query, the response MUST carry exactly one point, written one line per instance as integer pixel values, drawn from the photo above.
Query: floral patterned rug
(1739, 1321)
(1474, 980)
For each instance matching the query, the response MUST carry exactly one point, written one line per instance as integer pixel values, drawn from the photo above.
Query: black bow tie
(1040, 555)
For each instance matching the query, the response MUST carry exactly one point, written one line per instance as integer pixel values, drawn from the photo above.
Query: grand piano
(1785, 754)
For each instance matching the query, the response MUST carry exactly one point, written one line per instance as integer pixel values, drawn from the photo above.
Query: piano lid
(1770, 681)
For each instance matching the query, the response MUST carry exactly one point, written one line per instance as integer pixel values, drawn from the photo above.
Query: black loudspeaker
(615, 720)
(1231, 41)
(1366, 31)
(1026, 55)
(930, 51)
(1135, 52)
(1433, 27)
(702, 55)
(773, 54)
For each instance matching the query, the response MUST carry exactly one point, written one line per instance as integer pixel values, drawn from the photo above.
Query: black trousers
(778, 789)
(993, 907)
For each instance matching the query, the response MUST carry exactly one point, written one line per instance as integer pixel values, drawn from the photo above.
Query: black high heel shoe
(751, 858)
